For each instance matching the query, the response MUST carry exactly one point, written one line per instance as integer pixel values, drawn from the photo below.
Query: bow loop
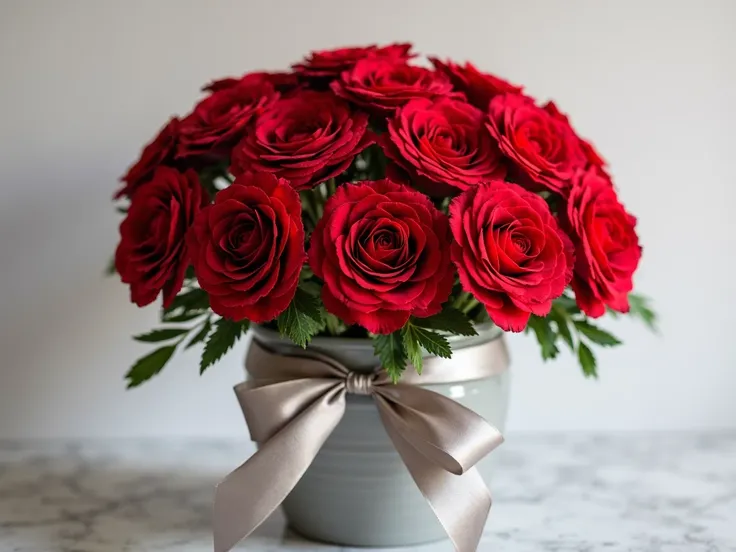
(268, 408)
(445, 432)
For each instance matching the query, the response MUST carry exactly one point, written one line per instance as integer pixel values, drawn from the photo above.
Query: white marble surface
(553, 493)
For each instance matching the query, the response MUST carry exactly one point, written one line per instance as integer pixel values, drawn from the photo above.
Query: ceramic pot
(357, 492)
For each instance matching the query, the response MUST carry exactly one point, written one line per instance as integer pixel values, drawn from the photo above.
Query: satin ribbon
(292, 404)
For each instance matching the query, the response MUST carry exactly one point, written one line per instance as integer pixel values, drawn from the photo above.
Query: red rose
(382, 250)
(151, 256)
(248, 248)
(282, 82)
(306, 138)
(478, 87)
(220, 120)
(509, 251)
(544, 149)
(606, 245)
(383, 84)
(158, 152)
(444, 146)
(328, 64)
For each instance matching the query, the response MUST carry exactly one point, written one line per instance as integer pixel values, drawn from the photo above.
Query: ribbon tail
(253, 491)
(460, 502)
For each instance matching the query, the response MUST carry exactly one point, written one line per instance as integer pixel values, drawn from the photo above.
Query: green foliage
(187, 306)
(213, 174)
(312, 287)
(587, 361)
(449, 320)
(184, 316)
(416, 338)
(163, 334)
(110, 269)
(148, 366)
(409, 344)
(567, 304)
(201, 335)
(413, 348)
(392, 353)
(226, 333)
(302, 319)
(561, 320)
(565, 321)
(595, 334)
(333, 324)
(465, 302)
(546, 336)
(639, 308)
(151, 364)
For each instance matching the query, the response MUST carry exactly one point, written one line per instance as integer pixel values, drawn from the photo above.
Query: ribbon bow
(293, 403)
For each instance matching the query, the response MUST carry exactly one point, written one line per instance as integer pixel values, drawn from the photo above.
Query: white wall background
(85, 83)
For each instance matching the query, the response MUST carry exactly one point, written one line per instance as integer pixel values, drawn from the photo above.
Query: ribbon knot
(293, 403)
(358, 383)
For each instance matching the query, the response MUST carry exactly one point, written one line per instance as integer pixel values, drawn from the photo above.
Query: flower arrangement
(363, 194)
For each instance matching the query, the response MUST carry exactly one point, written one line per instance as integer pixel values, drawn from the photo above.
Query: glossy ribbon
(292, 404)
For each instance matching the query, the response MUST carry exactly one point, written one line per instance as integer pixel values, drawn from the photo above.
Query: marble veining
(553, 493)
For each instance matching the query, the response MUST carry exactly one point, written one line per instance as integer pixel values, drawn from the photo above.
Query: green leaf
(302, 319)
(185, 317)
(449, 320)
(482, 316)
(587, 360)
(415, 338)
(333, 324)
(194, 299)
(414, 350)
(595, 334)
(305, 274)
(561, 319)
(201, 334)
(123, 210)
(226, 333)
(567, 303)
(163, 334)
(187, 306)
(545, 336)
(639, 307)
(148, 366)
(307, 304)
(110, 269)
(311, 287)
(392, 353)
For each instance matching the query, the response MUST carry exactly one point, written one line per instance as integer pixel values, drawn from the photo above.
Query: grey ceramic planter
(358, 492)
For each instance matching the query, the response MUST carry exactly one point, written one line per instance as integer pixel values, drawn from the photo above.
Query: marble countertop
(553, 493)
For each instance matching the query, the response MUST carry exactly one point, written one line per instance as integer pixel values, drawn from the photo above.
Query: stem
(379, 159)
(331, 187)
(470, 306)
(308, 208)
(317, 205)
(460, 300)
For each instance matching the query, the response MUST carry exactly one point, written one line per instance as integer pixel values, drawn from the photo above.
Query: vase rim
(487, 331)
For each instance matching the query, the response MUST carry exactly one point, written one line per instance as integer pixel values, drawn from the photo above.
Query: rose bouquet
(364, 194)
